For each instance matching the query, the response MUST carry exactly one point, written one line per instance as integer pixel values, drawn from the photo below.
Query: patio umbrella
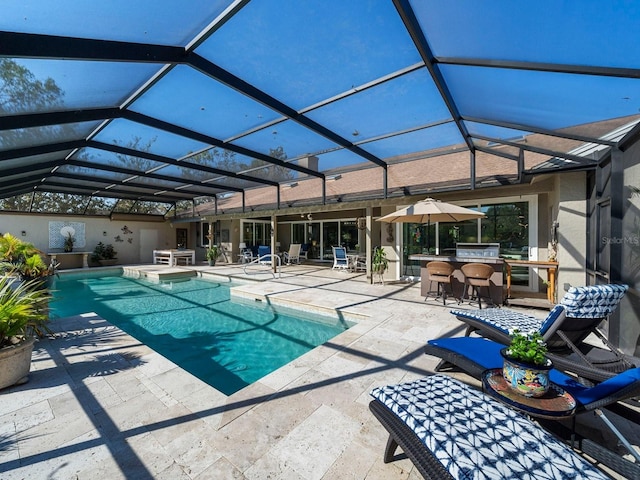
(431, 210)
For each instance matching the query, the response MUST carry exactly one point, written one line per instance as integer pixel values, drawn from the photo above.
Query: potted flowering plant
(526, 366)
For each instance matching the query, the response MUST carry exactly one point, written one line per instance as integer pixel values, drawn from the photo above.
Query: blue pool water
(195, 324)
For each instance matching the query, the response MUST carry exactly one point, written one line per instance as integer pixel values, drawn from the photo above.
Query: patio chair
(245, 255)
(264, 254)
(476, 277)
(450, 430)
(340, 259)
(304, 251)
(293, 255)
(475, 355)
(360, 263)
(442, 274)
(564, 329)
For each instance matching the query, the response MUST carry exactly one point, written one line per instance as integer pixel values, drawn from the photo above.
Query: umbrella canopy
(431, 211)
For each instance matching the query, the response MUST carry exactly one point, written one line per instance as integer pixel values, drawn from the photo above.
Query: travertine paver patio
(101, 405)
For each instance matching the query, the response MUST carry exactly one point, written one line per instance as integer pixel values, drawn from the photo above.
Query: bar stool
(442, 273)
(476, 276)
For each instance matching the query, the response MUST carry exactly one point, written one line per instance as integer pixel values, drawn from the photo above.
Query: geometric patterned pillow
(475, 437)
(593, 301)
(506, 320)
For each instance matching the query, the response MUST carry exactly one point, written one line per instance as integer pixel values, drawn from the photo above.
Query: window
(511, 222)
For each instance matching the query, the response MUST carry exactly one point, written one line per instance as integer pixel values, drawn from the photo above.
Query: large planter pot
(108, 262)
(524, 378)
(15, 363)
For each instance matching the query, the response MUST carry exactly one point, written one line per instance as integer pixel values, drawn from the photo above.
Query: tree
(22, 92)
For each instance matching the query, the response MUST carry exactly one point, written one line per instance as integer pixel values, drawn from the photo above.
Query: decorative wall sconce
(390, 230)
(104, 233)
(24, 233)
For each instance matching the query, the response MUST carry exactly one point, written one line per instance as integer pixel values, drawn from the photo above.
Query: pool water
(196, 325)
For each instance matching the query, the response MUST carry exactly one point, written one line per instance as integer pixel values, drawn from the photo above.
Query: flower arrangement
(527, 347)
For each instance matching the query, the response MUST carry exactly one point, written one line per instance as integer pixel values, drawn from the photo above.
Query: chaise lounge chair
(475, 355)
(565, 328)
(450, 430)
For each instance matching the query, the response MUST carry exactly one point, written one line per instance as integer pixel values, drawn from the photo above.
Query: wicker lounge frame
(475, 355)
(400, 435)
(566, 327)
(451, 430)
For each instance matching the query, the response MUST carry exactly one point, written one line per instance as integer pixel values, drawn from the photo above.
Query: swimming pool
(194, 323)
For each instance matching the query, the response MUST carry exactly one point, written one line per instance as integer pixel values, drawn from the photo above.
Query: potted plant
(68, 242)
(379, 263)
(526, 366)
(211, 255)
(23, 260)
(104, 254)
(23, 314)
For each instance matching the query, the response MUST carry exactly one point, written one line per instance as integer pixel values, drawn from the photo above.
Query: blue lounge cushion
(486, 353)
(475, 437)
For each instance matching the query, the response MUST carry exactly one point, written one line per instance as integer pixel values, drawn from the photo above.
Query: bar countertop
(453, 258)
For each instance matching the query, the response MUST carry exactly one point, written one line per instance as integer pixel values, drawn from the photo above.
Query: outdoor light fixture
(334, 177)
(24, 233)
(291, 184)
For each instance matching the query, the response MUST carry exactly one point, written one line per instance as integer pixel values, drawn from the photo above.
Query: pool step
(158, 273)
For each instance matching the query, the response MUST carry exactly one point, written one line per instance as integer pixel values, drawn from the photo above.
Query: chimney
(310, 162)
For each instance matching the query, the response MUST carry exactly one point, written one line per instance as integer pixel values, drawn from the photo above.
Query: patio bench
(161, 258)
(178, 259)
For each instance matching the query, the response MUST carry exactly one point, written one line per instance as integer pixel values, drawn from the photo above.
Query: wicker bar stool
(442, 273)
(477, 276)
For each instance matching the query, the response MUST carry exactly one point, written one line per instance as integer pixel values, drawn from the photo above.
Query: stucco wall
(126, 241)
(629, 242)
(571, 207)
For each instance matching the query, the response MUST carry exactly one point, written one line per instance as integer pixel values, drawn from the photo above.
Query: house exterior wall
(97, 229)
(629, 245)
(569, 205)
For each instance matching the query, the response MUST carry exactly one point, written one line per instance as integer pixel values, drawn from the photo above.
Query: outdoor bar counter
(497, 291)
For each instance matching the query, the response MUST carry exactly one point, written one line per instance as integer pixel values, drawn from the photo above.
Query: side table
(555, 404)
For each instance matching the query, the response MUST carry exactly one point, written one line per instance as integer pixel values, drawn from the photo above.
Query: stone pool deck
(100, 405)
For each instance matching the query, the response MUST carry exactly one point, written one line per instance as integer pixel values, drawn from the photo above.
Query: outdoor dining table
(353, 258)
(173, 255)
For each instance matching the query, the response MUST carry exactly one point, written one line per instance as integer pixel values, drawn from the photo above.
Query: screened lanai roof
(152, 105)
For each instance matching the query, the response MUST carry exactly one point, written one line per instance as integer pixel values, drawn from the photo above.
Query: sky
(349, 66)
